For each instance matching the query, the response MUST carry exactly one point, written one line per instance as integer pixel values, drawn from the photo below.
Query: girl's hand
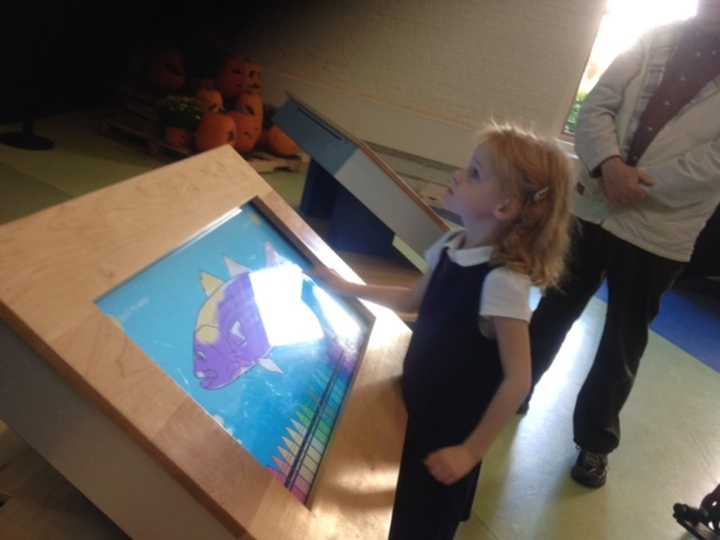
(450, 464)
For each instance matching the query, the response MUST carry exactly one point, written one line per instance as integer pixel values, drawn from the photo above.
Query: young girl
(467, 368)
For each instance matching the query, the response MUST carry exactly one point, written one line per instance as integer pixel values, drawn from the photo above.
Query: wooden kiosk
(119, 425)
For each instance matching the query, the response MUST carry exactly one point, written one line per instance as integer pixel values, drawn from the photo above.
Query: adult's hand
(622, 184)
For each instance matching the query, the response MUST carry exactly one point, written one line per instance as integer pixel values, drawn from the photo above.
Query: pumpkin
(252, 77)
(247, 131)
(209, 99)
(280, 144)
(251, 104)
(166, 71)
(231, 77)
(178, 137)
(215, 129)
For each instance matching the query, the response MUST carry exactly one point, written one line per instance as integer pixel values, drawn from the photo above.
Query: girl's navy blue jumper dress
(451, 373)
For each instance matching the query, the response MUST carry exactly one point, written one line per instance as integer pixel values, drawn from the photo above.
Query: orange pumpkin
(280, 144)
(247, 130)
(251, 104)
(166, 71)
(215, 129)
(231, 77)
(209, 99)
(178, 137)
(252, 77)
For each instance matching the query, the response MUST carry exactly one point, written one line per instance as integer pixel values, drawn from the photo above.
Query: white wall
(422, 75)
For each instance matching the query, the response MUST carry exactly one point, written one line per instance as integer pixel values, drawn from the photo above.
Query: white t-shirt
(505, 293)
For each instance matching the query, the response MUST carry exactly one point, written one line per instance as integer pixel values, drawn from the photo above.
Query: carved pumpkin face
(209, 100)
(248, 131)
(215, 130)
(251, 104)
(252, 77)
(166, 71)
(230, 79)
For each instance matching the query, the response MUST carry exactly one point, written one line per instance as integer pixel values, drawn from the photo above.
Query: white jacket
(683, 159)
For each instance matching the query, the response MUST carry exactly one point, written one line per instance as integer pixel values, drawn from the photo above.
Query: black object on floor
(27, 139)
(696, 521)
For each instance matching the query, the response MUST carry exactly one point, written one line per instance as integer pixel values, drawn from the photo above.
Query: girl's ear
(508, 209)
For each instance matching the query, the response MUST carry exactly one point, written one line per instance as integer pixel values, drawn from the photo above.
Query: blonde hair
(535, 172)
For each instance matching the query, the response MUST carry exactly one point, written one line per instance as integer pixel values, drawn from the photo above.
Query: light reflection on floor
(669, 452)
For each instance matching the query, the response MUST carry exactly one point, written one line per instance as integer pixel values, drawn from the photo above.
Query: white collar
(466, 256)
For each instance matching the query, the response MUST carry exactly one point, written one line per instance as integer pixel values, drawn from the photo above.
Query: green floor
(84, 161)
(670, 452)
(671, 445)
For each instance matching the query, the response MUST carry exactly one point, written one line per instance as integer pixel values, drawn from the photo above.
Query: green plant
(571, 122)
(180, 112)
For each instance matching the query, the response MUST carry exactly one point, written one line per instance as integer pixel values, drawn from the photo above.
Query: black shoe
(590, 469)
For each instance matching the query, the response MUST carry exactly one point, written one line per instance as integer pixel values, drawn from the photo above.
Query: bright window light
(622, 25)
(278, 295)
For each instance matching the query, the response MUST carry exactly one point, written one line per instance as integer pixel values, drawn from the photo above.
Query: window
(622, 24)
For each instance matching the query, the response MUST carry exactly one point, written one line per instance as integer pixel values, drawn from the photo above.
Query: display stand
(126, 430)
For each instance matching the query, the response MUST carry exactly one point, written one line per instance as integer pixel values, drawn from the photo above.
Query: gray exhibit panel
(358, 169)
(326, 145)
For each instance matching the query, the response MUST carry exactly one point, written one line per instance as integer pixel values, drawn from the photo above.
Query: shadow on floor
(21, 194)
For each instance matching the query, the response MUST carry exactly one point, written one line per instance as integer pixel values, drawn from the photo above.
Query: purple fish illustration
(230, 337)
(244, 317)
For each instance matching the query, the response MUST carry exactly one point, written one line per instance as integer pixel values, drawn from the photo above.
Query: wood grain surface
(56, 263)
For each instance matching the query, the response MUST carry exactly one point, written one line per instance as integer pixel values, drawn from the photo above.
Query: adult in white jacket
(648, 137)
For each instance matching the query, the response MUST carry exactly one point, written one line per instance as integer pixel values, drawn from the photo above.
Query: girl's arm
(404, 299)
(450, 464)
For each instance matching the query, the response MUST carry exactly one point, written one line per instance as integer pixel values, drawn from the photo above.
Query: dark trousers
(425, 509)
(636, 281)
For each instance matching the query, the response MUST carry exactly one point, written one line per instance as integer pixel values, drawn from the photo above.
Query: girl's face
(475, 193)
